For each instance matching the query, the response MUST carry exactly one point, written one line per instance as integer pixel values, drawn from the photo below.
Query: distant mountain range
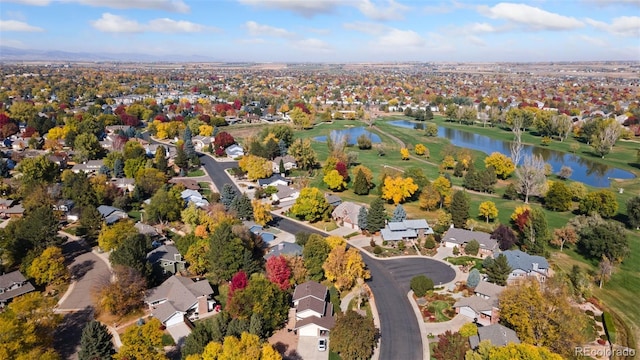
(15, 54)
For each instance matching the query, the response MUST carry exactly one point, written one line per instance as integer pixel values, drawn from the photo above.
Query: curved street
(400, 333)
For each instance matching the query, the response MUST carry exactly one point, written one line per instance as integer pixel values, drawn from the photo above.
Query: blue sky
(331, 30)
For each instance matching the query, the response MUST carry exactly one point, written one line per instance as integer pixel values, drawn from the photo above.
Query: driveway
(308, 348)
(87, 270)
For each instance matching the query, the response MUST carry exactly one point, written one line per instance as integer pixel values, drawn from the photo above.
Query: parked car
(322, 344)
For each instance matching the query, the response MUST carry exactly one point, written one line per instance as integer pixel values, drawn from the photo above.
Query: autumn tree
(256, 167)
(421, 150)
(488, 210)
(278, 271)
(354, 336)
(609, 131)
(112, 236)
(601, 202)
(261, 212)
(558, 197)
(300, 119)
(565, 235)
(96, 342)
(252, 300)
(443, 186)
(124, 294)
(460, 209)
(315, 252)
(398, 189)
(429, 198)
(150, 180)
(142, 342)
(49, 267)
(311, 205)
(543, 316)
(344, 267)
(404, 154)
(531, 177)
(487, 351)
(304, 154)
(334, 181)
(501, 163)
(505, 237)
(450, 346)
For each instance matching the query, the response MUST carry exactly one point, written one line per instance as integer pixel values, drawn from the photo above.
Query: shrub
(372, 243)
(456, 251)
(472, 247)
(377, 250)
(589, 313)
(430, 242)
(609, 327)
(420, 284)
(401, 245)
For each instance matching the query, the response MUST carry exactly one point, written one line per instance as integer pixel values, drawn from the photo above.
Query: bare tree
(562, 125)
(565, 172)
(531, 177)
(516, 150)
(605, 269)
(606, 138)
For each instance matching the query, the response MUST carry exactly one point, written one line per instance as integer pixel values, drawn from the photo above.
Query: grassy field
(619, 295)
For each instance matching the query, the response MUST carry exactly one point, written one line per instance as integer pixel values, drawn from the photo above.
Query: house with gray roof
(406, 230)
(178, 300)
(346, 214)
(12, 285)
(168, 258)
(524, 266)
(90, 167)
(482, 307)
(284, 248)
(314, 314)
(455, 237)
(288, 161)
(112, 214)
(273, 180)
(497, 334)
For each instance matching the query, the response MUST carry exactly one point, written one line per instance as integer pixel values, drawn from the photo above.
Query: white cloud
(319, 31)
(615, 2)
(482, 28)
(256, 29)
(366, 27)
(119, 24)
(307, 8)
(393, 10)
(312, 45)
(622, 26)
(593, 40)
(21, 26)
(167, 5)
(476, 40)
(398, 39)
(532, 18)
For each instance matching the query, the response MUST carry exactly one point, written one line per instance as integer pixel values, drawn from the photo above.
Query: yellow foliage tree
(488, 210)
(344, 267)
(205, 130)
(111, 236)
(501, 163)
(443, 187)
(334, 241)
(198, 256)
(142, 342)
(519, 210)
(404, 153)
(334, 181)
(448, 162)
(57, 133)
(421, 150)
(256, 167)
(487, 351)
(300, 119)
(261, 212)
(398, 189)
(49, 268)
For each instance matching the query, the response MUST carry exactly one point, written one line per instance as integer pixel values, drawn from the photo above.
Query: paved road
(401, 338)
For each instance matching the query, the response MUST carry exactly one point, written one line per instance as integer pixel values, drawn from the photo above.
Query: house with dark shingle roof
(455, 237)
(524, 266)
(482, 307)
(13, 285)
(405, 230)
(497, 334)
(314, 314)
(346, 214)
(284, 248)
(112, 214)
(168, 258)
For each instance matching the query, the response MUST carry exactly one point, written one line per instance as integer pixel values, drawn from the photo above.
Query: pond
(584, 170)
(352, 135)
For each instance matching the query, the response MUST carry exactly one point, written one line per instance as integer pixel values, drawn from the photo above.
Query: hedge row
(609, 327)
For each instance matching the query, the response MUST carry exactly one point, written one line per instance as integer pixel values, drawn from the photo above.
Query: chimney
(177, 257)
(534, 266)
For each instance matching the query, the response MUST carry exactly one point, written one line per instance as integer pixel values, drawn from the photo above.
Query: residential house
(6, 203)
(168, 258)
(497, 334)
(482, 307)
(192, 196)
(60, 159)
(187, 183)
(234, 151)
(405, 230)
(258, 230)
(524, 265)
(284, 248)
(285, 193)
(124, 184)
(346, 214)
(178, 300)
(314, 314)
(460, 237)
(15, 211)
(90, 167)
(13, 285)
(148, 230)
(64, 205)
(112, 214)
(273, 180)
(332, 199)
(201, 142)
(288, 161)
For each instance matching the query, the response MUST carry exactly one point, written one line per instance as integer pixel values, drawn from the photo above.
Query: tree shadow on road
(67, 335)
(79, 270)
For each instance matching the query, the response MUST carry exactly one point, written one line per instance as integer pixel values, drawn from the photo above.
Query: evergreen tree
(399, 214)
(377, 216)
(460, 209)
(458, 170)
(360, 185)
(487, 178)
(104, 170)
(536, 232)
(511, 192)
(362, 218)
(96, 342)
(227, 195)
(181, 160)
(256, 326)
(242, 206)
(473, 279)
(497, 269)
(160, 159)
(281, 168)
(471, 179)
(189, 149)
(282, 146)
(118, 168)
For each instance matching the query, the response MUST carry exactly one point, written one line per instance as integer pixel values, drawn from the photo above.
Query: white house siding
(450, 244)
(309, 330)
(175, 319)
(307, 313)
(468, 312)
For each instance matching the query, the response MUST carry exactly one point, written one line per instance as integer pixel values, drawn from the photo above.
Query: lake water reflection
(584, 170)
(352, 135)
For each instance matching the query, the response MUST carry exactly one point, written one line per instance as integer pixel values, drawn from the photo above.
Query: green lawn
(195, 173)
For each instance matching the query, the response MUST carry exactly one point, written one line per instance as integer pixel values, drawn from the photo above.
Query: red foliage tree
(522, 219)
(28, 132)
(160, 117)
(204, 118)
(237, 104)
(173, 107)
(303, 107)
(278, 271)
(129, 120)
(9, 129)
(223, 140)
(222, 108)
(342, 170)
(219, 151)
(178, 118)
(239, 281)
(120, 110)
(4, 119)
